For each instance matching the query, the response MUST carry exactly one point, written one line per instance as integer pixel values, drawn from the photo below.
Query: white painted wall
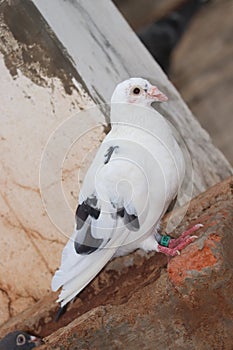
(30, 243)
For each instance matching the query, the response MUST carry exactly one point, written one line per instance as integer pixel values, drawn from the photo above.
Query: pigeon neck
(130, 114)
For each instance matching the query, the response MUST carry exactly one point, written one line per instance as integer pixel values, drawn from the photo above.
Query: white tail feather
(82, 275)
(76, 270)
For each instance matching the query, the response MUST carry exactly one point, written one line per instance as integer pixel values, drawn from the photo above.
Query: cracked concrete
(37, 95)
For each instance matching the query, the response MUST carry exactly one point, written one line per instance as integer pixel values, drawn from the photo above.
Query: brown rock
(208, 80)
(138, 15)
(138, 303)
(41, 86)
(194, 259)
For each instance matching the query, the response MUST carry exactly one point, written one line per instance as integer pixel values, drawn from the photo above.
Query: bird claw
(197, 226)
(168, 251)
(175, 245)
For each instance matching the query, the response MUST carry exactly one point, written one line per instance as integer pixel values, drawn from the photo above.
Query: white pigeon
(135, 175)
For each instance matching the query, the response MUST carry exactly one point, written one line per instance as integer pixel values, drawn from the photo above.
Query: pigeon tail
(77, 270)
(94, 265)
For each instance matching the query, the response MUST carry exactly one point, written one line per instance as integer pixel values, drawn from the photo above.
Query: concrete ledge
(140, 301)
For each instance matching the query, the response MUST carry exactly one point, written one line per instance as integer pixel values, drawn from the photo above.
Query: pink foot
(177, 244)
(174, 242)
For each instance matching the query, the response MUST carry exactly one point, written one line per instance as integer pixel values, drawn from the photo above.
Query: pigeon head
(137, 91)
(19, 340)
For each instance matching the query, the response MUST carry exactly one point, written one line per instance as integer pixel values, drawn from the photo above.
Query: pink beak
(35, 340)
(157, 94)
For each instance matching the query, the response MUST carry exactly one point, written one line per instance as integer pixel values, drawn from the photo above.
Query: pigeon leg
(175, 245)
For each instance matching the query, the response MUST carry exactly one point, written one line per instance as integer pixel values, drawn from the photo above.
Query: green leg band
(165, 241)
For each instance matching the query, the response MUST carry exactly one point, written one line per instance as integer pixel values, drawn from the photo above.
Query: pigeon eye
(20, 340)
(136, 91)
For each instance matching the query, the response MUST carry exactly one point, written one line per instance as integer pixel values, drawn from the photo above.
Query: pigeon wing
(105, 217)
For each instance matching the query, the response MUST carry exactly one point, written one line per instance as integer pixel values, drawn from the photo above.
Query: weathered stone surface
(137, 302)
(40, 89)
(37, 95)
